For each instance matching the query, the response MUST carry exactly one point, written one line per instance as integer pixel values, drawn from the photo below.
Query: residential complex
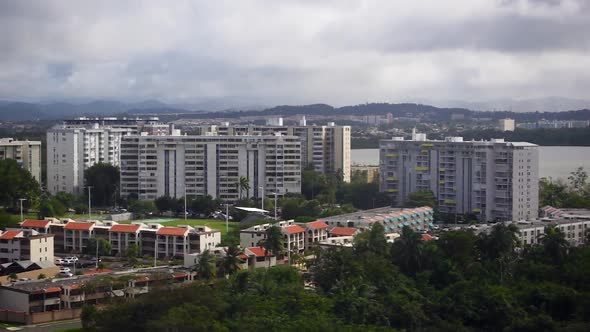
(25, 245)
(392, 219)
(78, 144)
(26, 153)
(494, 180)
(326, 148)
(153, 239)
(175, 166)
(47, 300)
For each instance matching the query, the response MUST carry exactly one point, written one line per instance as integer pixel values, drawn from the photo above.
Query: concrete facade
(154, 166)
(76, 145)
(26, 153)
(495, 180)
(325, 148)
(21, 245)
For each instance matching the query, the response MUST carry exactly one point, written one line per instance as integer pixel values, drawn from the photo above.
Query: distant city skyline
(295, 52)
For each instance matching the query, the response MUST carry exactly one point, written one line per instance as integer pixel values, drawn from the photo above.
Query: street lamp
(89, 204)
(21, 208)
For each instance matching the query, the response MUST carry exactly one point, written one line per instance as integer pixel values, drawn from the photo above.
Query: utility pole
(185, 202)
(96, 240)
(226, 218)
(89, 204)
(21, 208)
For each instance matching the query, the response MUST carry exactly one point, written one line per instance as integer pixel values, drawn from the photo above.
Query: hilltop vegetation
(461, 282)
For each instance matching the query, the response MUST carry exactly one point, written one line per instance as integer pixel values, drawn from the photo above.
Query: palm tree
(243, 185)
(206, 266)
(408, 249)
(554, 244)
(273, 242)
(232, 261)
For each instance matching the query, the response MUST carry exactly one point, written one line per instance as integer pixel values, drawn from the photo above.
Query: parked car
(65, 270)
(94, 260)
(72, 258)
(59, 261)
(65, 274)
(85, 263)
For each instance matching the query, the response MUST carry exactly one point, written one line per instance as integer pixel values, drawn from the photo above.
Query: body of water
(554, 161)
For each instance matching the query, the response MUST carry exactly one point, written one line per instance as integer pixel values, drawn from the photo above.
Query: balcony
(420, 169)
(52, 301)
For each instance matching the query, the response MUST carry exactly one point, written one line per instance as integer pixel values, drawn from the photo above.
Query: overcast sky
(274, 52)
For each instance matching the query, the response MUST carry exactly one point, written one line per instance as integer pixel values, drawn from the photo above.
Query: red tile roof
(142, 279)
(9, 235)
(317, 224)
(294, 229)
(343, 231)
(243, 256)
(79, 226)
(179, 275)
(172, 231)
(52, 290)
(124, 228)
(426, 237)
(35, 223)
(259, 252)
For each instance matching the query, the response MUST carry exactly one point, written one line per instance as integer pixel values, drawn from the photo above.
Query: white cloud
(305, 51)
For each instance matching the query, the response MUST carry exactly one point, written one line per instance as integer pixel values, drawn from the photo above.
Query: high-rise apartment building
(26, 153)
(326, 148)
(154, 166)
(506, 124)
(76, 145)
(495, 180)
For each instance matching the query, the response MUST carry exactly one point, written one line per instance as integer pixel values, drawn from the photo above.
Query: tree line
(460, 282)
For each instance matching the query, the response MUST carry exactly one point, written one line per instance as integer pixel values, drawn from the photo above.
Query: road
(46, 327)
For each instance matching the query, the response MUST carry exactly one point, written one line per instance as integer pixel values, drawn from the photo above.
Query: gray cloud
(294, 51)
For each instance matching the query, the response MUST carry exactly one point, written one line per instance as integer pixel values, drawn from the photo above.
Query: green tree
(554, 243)
(51, 207)
(204, 204)
(165, 203)
(206, 266)
(13, 276)
(131, 253)
(142, 208)
(407, 251)
(41, 276)
(232, 262)
(104, 247)
(274, 241)
(578, 179)
(552, 193)
(243, 185)
(104, 180)
(421, 198)
(16, 182)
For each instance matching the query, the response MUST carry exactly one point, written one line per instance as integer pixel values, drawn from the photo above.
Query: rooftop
(125, 228)
(35, 223)
(79, 226)
(343, 231)
(318, 224)
(259, 251)
(294, 229)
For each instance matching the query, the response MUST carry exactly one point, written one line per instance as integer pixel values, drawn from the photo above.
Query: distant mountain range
(27, 111)
(548, 104)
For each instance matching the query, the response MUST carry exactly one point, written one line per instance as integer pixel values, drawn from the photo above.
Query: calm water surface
(554, 161)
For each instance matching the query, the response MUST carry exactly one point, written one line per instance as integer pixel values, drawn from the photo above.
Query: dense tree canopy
(460, 282)
(16, 182)
(104, 180)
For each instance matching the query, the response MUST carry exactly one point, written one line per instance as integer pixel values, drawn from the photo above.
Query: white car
(65, 270)
(65, 274)
(73, 258)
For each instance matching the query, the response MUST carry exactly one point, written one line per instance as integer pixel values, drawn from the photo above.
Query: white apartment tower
(26, 153)
(154, 166)
(495, 180)
(506, 124)
(76, 145)
(325, 148)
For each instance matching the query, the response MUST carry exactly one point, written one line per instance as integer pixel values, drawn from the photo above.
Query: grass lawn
(75, 216)
(213, 223)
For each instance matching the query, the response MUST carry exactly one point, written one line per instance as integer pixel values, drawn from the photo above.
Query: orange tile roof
(35, 223)
(52, 290)
(343, 231)
(243, 256)
(9, 235)
(142, 279)
(79, 226)
(124, 228)
(318, 224)
(259, 252)
(172, 231)
(426, 237)
(294, 229)
(179, 275)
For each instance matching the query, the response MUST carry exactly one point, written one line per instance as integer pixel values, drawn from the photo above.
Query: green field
(74, 216)
(213, 223)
